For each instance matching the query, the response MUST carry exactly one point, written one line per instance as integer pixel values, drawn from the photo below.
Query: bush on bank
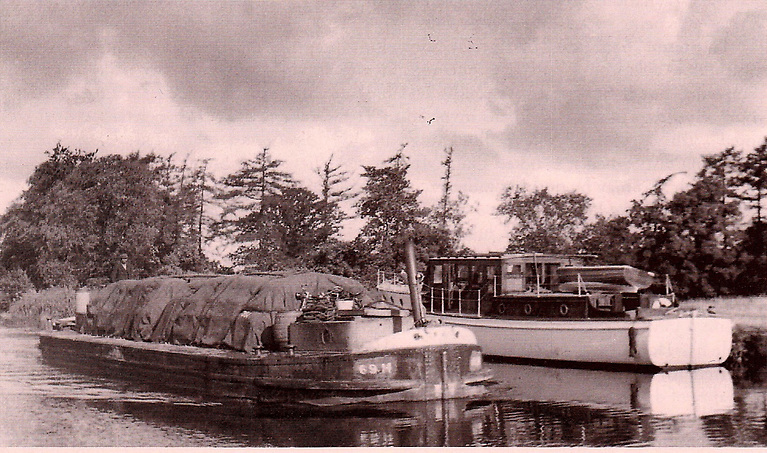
(34, 308)
(748, 358)
(13, 284)
(746, 311)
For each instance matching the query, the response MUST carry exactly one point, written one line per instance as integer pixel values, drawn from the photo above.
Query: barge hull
(417, 374)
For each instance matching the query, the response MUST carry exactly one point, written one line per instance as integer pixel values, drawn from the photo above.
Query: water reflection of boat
(699, 392)
(541, 424)
(446, 423)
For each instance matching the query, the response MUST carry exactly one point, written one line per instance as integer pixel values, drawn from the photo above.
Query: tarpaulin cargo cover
(204, 310)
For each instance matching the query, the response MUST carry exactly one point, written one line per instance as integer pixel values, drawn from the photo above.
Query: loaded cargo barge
(311, 339)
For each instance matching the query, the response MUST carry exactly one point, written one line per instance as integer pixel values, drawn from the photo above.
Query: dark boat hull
(313, 378)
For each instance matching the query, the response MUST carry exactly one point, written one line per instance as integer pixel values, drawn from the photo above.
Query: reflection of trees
(530, 423)
(747, 426)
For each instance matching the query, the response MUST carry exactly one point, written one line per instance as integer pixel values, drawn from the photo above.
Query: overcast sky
(601, 97)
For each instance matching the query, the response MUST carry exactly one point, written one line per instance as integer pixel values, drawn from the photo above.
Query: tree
(181, 232)
(687, 236)
(197, 194)
(706, 259)
(80, 211)
(61, 162)
(444, 203)
(753, 178)
(256, 179)
(334, 191)
(543, 222)
(244, 193)
(295, 225)
(390, 208)
(449, 215)
(13, 284)
(298, 216)
(722, 170)
(752, 278)
(609, 238)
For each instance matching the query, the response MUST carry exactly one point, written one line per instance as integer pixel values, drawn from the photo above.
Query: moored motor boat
(308, 339)
(546, 307)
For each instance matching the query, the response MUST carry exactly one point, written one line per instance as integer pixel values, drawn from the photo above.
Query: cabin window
(551, 275)
(534, 275)
(463, 272)
(477, 274)
(513, 280)
(437, 276)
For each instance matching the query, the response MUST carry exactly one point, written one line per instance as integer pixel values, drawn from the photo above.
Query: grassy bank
(34, 308)
(745, 312)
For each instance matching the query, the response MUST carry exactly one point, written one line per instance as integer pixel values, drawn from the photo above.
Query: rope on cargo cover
(320, 307)
(319, 311)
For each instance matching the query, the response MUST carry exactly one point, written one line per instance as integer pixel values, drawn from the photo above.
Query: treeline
(708, 238)
(82, 210)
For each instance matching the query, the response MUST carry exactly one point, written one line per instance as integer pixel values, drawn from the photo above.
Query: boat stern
(689, 341)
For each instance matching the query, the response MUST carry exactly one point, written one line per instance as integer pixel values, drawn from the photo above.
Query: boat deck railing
(469, 302)
(458, 301)
(392, 278)
(441, 300)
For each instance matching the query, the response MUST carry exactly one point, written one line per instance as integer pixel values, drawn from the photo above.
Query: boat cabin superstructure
(533, 285)
(510, 273)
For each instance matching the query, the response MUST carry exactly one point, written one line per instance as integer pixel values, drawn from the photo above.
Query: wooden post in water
(412, 283)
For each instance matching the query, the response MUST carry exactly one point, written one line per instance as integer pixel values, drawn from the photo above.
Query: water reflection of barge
(545, 307)
(445, 423)
(252, 337)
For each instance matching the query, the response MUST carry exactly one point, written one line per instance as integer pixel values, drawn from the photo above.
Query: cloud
(44, 46)
(238, 60)
(742, 45)
(606, 81)
(599, 97)
(231, 59)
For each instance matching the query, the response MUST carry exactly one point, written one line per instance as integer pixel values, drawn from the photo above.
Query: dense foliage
(12, 285)
(709, 238)
(544, 222)
(81, 210)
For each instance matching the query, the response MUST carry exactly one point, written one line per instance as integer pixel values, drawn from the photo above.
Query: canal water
(41, 405)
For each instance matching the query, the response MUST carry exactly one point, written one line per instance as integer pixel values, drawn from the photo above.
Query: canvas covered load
(238, 311)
